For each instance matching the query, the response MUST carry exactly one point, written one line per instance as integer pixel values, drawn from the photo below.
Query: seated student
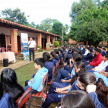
(79, 68)
(48, 64)
(96, 90)
(103, 51)
(57, 53)
(60, 52)
(68, 55)
(53, 95)
(35, 83)
(86, 51)
(101, 66)
(97, 60)
(10, 90)
(63, 72)
(88, 58)
(83, 51)
(54, 57)
(103, 74)
(77, 99)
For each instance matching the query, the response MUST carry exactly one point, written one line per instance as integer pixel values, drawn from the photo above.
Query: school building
(10, 36)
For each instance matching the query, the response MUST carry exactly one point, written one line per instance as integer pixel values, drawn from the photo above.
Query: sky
(39, 10)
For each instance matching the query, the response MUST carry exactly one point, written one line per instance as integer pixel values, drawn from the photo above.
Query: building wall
(75, 42)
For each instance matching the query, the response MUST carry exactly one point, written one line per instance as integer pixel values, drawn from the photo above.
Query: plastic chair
(26, 95)
(41, 94)
(3, 49)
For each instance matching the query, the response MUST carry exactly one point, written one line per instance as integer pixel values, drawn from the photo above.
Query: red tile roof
(3, 21)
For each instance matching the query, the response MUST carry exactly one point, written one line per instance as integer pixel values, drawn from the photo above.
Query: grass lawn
(25, 73)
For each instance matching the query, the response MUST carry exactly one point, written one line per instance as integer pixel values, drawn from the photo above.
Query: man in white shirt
(101, 66)
(32, 45)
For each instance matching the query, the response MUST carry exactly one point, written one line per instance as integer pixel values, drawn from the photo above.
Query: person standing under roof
(32, 45)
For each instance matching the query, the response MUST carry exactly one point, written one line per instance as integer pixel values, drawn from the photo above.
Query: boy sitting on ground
(36, 82)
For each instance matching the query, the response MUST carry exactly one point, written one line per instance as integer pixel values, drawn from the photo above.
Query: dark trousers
(31, 50)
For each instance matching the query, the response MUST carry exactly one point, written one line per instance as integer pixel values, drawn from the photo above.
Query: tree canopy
(89, 21)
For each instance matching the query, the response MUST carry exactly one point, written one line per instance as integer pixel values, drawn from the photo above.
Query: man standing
(32, 45)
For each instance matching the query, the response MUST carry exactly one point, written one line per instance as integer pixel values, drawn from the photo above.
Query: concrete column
(14, 47)
(48, 39)
(39, 40)
(7, 40)
(53, 40)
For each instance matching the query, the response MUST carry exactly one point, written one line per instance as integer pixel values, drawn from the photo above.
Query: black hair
(54, 55)
(101, 89)
(80, 65)
(77, 99)
(76, 57)
(10, 85)
(39, 61)
(57, 52)
(98, 50)
(46, 56)
(59, 49)
(106, 55)
(90, 49)
(104, 48)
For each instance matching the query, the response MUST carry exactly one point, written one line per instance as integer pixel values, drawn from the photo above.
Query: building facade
(10, 36)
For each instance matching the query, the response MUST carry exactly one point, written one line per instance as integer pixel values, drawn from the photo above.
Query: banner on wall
(25, 48)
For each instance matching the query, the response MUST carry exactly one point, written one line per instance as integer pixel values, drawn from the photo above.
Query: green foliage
(56, 43)
(15, 15)
(57, 28)
(90, 22)
(38, 46)
(40, 50)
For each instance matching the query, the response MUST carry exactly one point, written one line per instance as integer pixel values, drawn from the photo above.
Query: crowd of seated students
(81, 83)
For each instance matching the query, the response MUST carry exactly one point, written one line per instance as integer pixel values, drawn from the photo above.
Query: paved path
(21, 63)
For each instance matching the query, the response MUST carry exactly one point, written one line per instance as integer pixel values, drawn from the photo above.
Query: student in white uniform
(32, 45)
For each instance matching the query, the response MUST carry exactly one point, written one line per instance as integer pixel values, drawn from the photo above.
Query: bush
(38, 46)
(56, 43)
(40, 50)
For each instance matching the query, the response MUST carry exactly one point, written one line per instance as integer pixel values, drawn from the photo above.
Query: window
(9, 40)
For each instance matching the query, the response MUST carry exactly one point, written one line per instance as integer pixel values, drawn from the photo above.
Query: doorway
(19, 43)
(2, 40)
(44, 41)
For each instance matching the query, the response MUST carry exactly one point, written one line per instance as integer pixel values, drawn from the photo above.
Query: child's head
(97, 50)
(105, 57)
(86, 79)
(46, 56)
(77, 99)
(79, 66)
(76, 57)
(8, 77)
(90, 50)
(53, 55)
(103, 49)
(56, 51)
(39, 63)
(60, 50)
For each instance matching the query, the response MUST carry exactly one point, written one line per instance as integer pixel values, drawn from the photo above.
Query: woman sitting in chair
(11, 89)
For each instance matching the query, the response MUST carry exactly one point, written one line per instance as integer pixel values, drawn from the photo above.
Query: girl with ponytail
(96, 90)
(54, 57)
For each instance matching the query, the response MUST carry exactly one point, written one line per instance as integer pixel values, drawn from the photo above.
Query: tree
(57, 28)
(15, 15)
(46, 25)
(90, 24)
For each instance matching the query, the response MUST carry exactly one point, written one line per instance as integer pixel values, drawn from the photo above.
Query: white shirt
(101, 66)
(86, 52)
(33, 43)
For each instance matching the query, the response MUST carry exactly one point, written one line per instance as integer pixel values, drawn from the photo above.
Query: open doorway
(44, 41)
(2, 40)
(19, 43)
